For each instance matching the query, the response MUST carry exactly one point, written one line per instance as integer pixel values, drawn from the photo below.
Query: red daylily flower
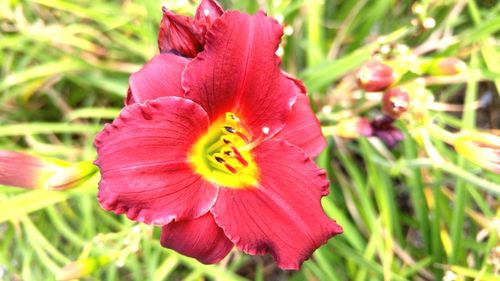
(217, 149)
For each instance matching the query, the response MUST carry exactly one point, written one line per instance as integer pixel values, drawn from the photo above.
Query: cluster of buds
(34, 172)
(384, 74)
(375, 76)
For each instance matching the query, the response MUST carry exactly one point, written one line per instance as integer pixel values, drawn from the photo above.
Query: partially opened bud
(395, 102)
(28, 171)
(447, 66)
(375, 76)
(208, 11)
(185, 36)
(70, 176)
(482, 149)
(180, 35)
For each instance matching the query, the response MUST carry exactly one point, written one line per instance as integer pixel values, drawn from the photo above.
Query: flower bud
(384, 129)
(482, 149)
(81, 268)
(374, 76)
(31, 172)
(351, 128)
(180, 35)
(71, 176)
(395, 102)
(447, 66)
(207, 12)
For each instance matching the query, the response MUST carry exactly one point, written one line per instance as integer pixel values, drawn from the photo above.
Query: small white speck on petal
(206, 12)
(265, 130)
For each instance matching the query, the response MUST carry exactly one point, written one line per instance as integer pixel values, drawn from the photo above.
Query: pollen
(223, 155)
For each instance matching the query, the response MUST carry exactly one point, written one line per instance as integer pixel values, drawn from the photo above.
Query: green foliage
(416, 211)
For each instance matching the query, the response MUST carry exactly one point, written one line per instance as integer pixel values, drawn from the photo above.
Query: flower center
(223, 155)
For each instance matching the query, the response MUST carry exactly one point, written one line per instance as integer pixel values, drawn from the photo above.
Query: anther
(230, 129)
(232, 117)
(229, 167)
(219, 159)
(238, 156)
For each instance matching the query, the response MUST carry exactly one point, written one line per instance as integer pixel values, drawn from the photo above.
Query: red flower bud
(395, 102)
(208, 11)
(374, 76)
(185, 36)
(31, 172)
(180, 35)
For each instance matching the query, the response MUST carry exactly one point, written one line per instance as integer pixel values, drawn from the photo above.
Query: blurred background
(414, 161)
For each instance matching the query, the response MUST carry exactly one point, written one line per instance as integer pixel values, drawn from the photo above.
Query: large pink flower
(217, 149)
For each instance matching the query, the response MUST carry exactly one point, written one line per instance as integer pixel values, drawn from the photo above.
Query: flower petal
(283, 216)
(180, 35)
(303, 129)
(143, 162)
(300, 88)
(160, 77)
(200, 238)
(208, 11)
(239, 72)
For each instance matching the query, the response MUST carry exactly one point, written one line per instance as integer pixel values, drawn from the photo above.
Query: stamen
(254, 143)
(230, 129)
(238, 156)
(231, 117)
(243, 137)
(229, 167)
(219, 159)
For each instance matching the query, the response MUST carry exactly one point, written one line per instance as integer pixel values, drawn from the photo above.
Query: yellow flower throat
(223, 155)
